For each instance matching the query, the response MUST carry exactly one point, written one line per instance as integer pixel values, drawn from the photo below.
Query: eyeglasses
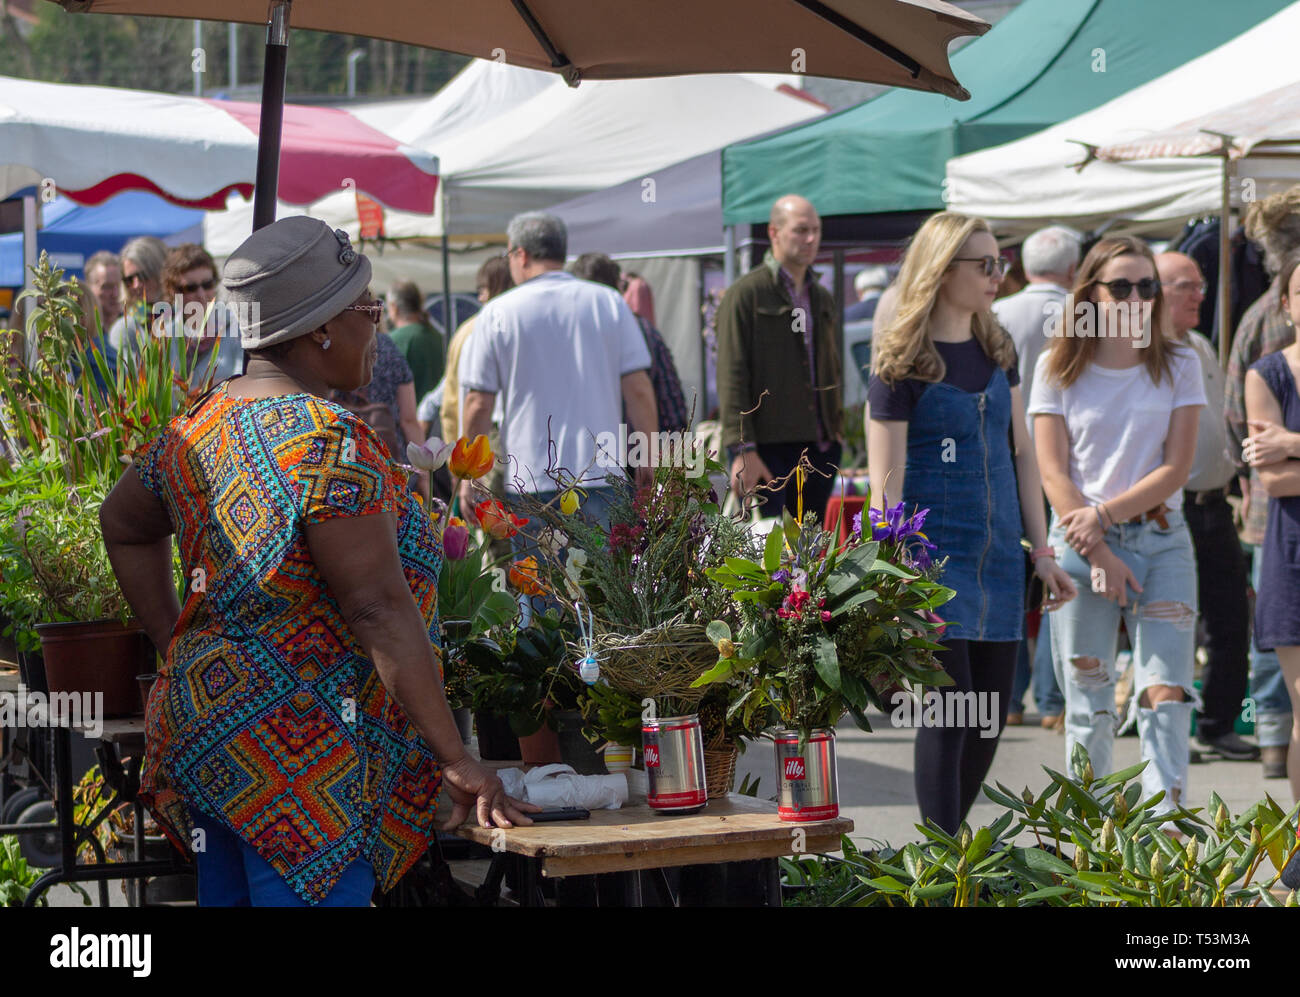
(375, 310)
(1121, 288)
(1187, 285)
(202, 285)
(129, 279)
(991, 264)
(510, 252)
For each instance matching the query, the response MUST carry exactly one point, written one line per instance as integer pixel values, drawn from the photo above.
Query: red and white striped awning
(89, 143)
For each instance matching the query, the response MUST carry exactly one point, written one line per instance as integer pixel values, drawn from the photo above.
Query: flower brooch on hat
(347, 254)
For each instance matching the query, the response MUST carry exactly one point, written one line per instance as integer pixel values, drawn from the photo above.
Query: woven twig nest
(660, 663)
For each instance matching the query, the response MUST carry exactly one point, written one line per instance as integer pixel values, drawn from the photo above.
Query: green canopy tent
(1046, 61)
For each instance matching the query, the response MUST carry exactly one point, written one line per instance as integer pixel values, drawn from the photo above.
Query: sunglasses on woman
(990, 264)
(198, 285)
(1122, 287)
(375, 310)
(129, 279)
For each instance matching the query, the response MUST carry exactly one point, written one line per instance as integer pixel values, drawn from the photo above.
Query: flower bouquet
(645, 583)
(824, 628)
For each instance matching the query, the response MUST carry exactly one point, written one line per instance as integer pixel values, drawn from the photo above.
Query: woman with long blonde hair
(1115, 405)
(945, 408)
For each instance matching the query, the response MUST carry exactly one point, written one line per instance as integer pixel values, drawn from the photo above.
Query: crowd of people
(1089, 395)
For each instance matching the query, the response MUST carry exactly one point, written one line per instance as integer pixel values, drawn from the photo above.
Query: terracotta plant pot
(101, 656)
(541, 748)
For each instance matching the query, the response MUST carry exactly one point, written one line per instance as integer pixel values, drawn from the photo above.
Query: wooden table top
(734, 829)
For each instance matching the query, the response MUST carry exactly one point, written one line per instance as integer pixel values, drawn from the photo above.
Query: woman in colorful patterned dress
(298, 732)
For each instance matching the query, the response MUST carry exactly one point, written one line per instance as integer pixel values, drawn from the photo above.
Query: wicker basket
(720, 770)
(659, 664)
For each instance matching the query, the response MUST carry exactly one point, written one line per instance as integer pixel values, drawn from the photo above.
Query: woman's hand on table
(475, 788)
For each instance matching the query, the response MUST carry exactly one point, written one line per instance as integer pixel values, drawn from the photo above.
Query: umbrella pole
(448, 314)
(1225, 266)
(268, 132)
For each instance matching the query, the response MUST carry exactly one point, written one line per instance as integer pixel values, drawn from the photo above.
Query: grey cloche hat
(297, 273)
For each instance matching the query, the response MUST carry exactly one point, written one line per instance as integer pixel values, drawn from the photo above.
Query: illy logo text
(652, 756)
(794, 768)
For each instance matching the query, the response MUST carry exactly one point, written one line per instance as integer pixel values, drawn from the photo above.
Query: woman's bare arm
(1052, 446)
(137, 534)
(1031, 485)
(886, 459)
(1282, 477)
(407, 412)
(357, 556)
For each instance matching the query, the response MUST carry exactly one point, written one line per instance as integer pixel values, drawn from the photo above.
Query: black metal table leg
(773, 883)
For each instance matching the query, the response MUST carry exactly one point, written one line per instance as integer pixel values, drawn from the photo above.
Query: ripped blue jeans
(1161, 622)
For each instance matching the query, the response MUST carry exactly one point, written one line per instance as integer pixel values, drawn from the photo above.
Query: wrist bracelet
(1100, 522)
(1101, 507)
(1038, 552)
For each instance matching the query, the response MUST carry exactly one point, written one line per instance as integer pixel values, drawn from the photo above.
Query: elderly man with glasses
(1220, 564)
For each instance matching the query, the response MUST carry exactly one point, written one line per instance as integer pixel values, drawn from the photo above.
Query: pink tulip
(455, 542)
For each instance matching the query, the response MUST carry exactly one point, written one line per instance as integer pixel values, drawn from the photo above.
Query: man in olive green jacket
(776, 327)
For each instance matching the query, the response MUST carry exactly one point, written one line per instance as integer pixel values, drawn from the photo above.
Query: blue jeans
(1161, 622)
(233, 874)
(1047, 694)
(1267, 686)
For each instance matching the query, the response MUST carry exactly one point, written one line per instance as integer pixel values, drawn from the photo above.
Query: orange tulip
(471, 460)
(499, 522)
(523, 576)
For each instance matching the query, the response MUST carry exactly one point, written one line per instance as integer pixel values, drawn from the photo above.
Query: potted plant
(825, 627)
(69, 424)
(59, 588)
(520, 674)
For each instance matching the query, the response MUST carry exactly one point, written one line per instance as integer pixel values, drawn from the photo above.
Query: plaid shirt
(1263, 330)
(669, 398)
(801, 299)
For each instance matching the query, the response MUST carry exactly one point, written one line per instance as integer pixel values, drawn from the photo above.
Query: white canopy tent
(1024, 184)
(507, 144)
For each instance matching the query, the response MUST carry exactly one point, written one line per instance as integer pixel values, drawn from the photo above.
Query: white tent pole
(729, 254)
(1225, 264)
(29, 261)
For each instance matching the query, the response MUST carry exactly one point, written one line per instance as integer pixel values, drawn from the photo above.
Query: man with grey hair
(564, 355)
(1050, 257)
(869, 283)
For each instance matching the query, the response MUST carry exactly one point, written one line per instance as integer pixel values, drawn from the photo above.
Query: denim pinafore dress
(959, 467)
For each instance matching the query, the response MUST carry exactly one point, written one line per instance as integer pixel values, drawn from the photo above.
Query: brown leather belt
(1157, 514)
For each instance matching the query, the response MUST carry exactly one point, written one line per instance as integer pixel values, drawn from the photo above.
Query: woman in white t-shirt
(1115, 404)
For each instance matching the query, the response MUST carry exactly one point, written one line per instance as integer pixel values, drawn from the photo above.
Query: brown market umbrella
(894, 42)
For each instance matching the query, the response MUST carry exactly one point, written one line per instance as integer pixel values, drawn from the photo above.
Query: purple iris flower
(781, 576)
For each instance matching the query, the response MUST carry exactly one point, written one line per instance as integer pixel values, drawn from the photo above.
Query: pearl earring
(325, 345)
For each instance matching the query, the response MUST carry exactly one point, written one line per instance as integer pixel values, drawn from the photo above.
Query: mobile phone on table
(560, 813)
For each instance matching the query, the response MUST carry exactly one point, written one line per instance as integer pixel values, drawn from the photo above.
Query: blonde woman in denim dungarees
(1115, 405)
(945, 401)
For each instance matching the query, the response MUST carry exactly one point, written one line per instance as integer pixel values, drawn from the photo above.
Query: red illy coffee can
(674, 763)
(807, 780)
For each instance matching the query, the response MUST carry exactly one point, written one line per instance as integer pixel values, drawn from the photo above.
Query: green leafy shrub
(1098, 843)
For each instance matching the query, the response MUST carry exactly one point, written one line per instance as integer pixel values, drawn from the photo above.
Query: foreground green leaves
(1095, 842)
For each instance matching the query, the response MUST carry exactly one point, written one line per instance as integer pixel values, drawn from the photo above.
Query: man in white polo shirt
(564, 355)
